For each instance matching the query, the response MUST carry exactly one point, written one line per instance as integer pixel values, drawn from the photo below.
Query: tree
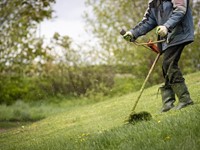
(108, 18)
(18, 43)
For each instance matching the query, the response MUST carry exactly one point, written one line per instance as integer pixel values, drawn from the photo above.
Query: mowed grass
(101, 126)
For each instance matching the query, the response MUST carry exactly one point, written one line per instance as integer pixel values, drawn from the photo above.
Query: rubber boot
(168, 98)
(183, 95)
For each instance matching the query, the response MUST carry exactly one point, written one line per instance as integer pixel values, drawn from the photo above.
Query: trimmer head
(136, 117)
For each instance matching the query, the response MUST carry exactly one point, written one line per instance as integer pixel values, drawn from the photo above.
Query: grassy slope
(101, 126)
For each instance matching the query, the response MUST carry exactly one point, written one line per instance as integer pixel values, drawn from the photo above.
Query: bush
(59, 82)
(18, 88)
(125, 83)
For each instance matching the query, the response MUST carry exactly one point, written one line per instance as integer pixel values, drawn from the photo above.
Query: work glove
(162, 31)
(128, 36)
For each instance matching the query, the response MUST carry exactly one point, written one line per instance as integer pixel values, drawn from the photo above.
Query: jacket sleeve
(179, 11)
(147, 24)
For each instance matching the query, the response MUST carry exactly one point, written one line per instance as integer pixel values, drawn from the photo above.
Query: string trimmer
(134, 117)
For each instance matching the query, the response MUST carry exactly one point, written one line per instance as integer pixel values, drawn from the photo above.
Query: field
(101, 125)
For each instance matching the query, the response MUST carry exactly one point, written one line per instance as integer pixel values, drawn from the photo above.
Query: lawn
(101, 126)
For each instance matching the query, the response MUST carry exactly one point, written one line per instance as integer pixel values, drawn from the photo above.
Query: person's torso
(184, 30)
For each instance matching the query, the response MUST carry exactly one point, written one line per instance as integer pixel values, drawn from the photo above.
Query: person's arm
(146, 25)
(179, 10)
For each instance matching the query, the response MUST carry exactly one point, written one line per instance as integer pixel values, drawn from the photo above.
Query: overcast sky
(68, 22)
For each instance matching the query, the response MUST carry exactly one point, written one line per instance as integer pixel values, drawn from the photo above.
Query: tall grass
(180, 132)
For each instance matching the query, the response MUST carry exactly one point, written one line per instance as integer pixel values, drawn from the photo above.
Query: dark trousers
(171, 71)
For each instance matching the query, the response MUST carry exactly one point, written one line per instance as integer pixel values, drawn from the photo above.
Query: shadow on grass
(7, 125)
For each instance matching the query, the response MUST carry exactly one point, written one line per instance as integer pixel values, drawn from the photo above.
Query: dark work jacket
(176, 15)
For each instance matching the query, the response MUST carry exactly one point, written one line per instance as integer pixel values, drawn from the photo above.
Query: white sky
(68, 21)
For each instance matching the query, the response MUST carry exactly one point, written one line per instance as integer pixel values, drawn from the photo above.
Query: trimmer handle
(122, 32)
(151, 45)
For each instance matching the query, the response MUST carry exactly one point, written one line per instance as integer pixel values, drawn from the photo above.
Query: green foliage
(30, 71)
(107, 20)
(59, 81)
(77, 80)
(19, 46)
(125, 84)
(62, 73)
(18, 88)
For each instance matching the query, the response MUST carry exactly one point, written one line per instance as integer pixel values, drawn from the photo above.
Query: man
(173, 19)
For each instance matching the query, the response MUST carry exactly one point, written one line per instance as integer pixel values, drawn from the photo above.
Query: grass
(21, 112)
(101, 126)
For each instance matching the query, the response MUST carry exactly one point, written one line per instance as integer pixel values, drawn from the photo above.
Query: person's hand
(162, 31)
(128, 36)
